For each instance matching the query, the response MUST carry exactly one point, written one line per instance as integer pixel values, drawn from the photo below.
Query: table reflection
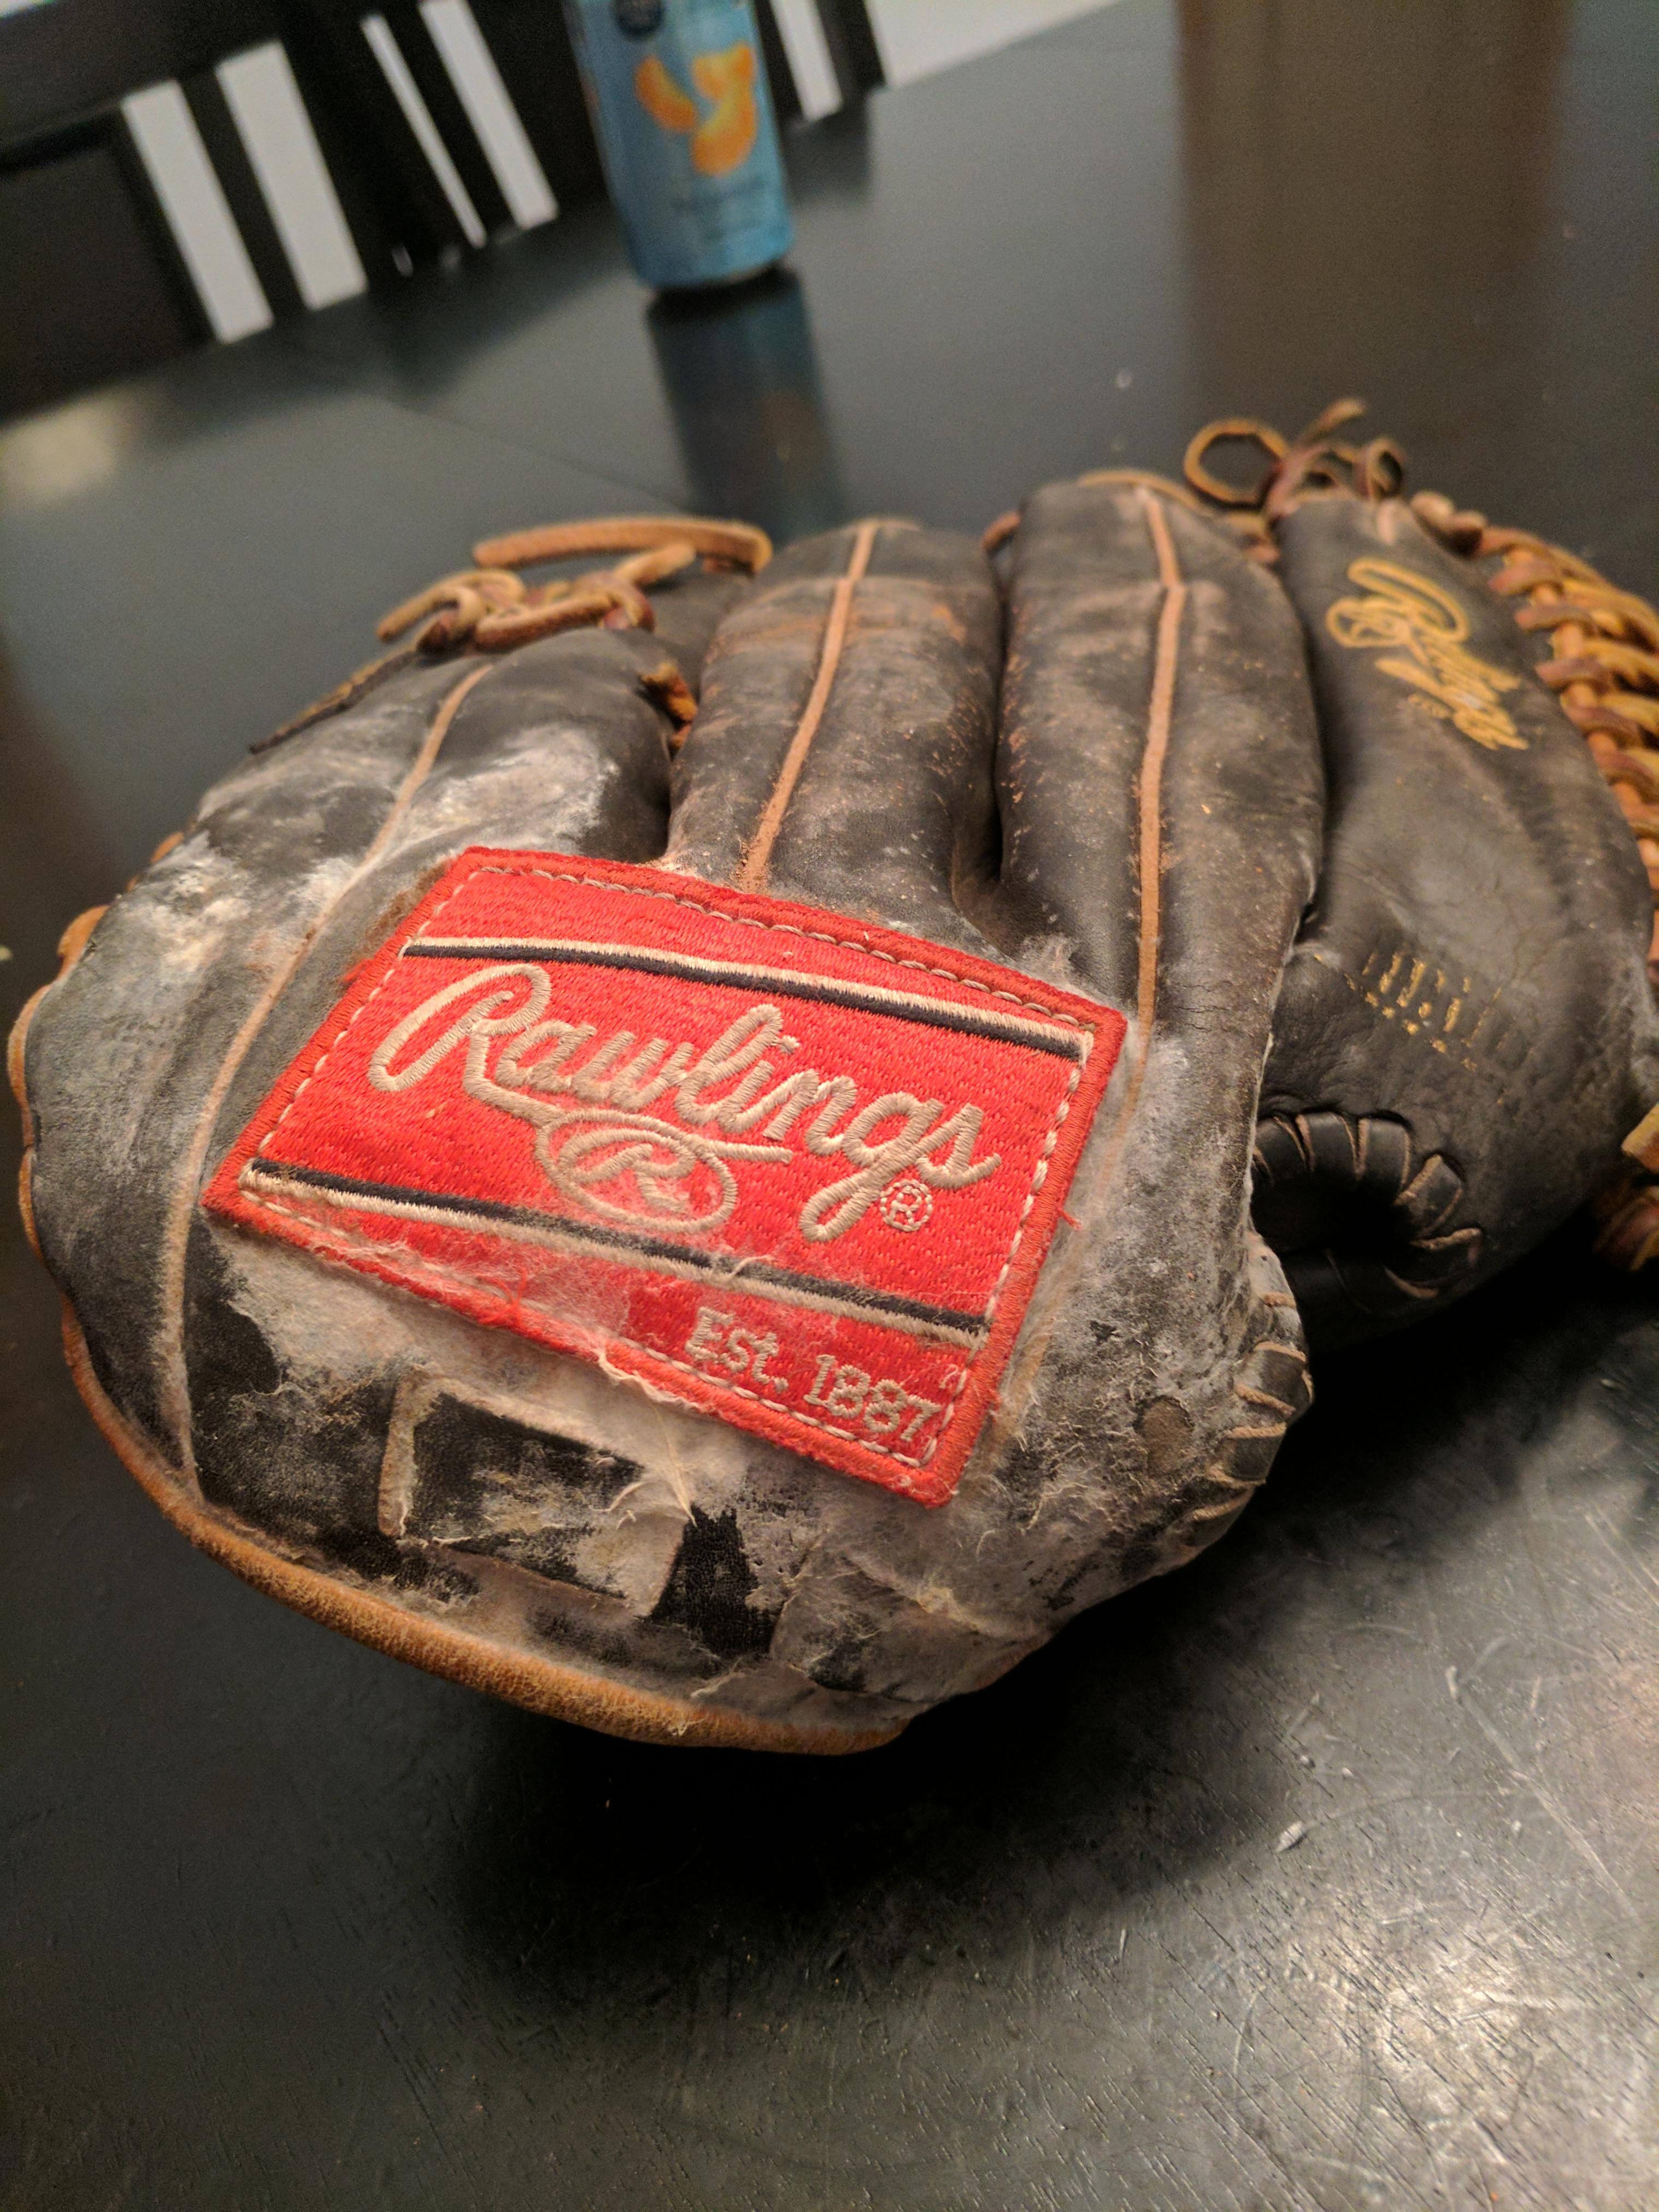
(741, 377)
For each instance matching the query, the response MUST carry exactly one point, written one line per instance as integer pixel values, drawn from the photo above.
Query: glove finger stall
(842, 754)
(1160, 786)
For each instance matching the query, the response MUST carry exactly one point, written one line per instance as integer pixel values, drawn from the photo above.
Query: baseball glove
(1467, 1030)
(729, 1241)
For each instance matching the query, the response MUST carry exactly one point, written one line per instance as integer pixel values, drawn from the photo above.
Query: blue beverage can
(680, 104)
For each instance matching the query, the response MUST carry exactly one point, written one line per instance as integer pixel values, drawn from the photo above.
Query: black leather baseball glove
(733, 1240)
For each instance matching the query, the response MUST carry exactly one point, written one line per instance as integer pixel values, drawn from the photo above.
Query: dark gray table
(288, 1923)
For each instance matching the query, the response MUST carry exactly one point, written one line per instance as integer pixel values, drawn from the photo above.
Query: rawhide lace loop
(492, 608)
(1311, 464)
(723, 544)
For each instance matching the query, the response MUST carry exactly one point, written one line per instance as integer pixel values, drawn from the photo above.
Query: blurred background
(184, 170)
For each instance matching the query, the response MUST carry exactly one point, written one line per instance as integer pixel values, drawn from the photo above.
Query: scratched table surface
(1325, 1873)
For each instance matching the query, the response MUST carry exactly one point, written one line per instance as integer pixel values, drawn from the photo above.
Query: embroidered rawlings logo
(1405, 611)
(601, 1148)
(791, 1170)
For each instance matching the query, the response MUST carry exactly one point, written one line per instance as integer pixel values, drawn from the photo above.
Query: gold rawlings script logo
(1422, 630)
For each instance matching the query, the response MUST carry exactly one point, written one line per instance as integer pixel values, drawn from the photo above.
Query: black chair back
(185, 169)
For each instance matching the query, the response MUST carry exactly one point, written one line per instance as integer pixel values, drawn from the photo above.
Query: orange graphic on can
(723, 139)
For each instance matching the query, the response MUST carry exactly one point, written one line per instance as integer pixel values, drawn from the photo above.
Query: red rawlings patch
(796, 1171)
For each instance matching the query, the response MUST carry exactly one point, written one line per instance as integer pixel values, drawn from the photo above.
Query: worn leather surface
(1156, 856)
(1466, 1031)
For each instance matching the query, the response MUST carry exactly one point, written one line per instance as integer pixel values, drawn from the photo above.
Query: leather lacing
(1297, 469)
(492, 608)
(1324, 1179)
(1603, 667)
